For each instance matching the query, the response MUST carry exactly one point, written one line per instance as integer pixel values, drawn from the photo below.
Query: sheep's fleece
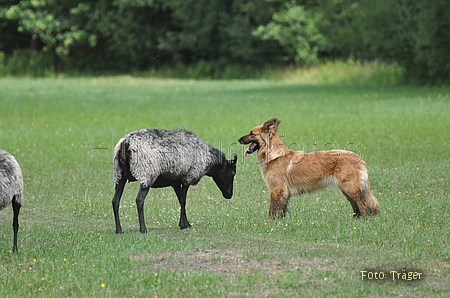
(173, 154)
(11, 181)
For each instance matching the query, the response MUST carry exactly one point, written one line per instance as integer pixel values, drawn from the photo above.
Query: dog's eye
(252, 134)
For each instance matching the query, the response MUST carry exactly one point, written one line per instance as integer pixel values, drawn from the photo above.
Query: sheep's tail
(370, 200)
(120, 160)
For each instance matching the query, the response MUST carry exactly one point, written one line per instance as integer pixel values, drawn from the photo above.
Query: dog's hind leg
(279, 200)
(356, 212)
(358, 202)
(354, 185)
(359, 194)
(356, 196)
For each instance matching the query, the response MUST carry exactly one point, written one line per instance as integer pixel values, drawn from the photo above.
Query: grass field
(62, 132)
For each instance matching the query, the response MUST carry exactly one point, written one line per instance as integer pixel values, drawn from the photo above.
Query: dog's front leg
(279, 200)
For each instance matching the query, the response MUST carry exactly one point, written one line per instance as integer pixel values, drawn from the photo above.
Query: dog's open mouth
(252, 148)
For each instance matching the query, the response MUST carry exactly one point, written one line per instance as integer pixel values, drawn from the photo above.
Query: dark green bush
(28, 63)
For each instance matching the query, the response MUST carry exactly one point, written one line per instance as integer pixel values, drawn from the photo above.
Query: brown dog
(288, 173)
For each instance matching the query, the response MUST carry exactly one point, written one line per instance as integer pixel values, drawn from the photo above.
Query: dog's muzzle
(254, 146)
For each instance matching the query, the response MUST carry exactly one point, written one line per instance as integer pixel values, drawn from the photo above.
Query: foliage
(348, 72)
(295, 28)
(50, 21)
(216, 30)
(139, 35)
(127, 35)
(410, 33)
(28, 63)
(74, 30)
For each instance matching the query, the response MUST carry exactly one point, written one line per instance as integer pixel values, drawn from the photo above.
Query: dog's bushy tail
(370, 200)
(372, 203)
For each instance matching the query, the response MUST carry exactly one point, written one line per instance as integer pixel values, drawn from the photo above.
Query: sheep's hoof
(185, 227)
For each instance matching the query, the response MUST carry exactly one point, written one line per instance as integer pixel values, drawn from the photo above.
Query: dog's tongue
(249, 149)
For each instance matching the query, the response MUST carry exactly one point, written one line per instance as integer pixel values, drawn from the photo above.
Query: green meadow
(63, 130)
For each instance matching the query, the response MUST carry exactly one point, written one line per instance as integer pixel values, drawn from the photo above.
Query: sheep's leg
(140, 207)
(116, 201)
(16, 208)
(181, 191)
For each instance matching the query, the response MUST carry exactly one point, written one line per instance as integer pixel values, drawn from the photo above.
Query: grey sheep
(160, 158)
(11, 188)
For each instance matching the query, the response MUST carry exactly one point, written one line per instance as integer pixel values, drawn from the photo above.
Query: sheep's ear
(233, 158)
(271, 125)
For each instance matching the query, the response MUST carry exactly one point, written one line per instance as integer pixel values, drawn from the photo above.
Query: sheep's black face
(225, 177)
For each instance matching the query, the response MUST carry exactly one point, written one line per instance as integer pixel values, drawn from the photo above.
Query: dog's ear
(271, 125)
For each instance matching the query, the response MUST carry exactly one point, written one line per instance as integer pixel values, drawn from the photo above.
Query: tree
(125, 35)
(413, 33)
(432, 40)
(48, 21)
(217, 30)
(10, 39)
(137, 34)
(295, 28)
